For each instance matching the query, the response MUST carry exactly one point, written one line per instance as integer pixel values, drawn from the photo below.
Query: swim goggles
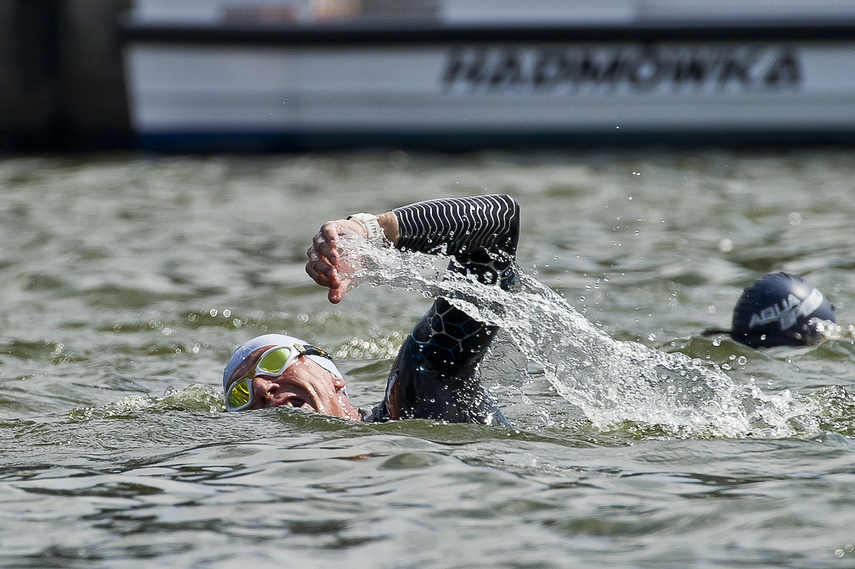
(271, 364)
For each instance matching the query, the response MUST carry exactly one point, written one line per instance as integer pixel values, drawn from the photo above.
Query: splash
(194, 397)
(614, 383)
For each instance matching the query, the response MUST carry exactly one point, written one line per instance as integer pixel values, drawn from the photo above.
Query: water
(636, 441)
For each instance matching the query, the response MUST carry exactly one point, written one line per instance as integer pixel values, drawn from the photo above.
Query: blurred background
(272, 75)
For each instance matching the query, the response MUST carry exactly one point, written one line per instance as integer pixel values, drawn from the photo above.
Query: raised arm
(435, 373)
(480, 232)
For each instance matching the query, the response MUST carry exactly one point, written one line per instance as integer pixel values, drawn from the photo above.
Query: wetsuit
(434, 375)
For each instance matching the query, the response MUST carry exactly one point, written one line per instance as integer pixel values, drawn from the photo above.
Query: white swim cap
(244, 350)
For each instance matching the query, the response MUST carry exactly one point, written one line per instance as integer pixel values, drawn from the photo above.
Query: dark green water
(126, 282)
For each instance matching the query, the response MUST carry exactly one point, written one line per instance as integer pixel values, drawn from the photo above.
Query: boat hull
(270, 89)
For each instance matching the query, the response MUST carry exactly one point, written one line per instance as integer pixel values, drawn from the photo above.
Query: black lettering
(638, 68)
(646, 71)
(454, 68)
(736, 69)
(590, 70)
(508, 71)
(551, 69)
(692, 69)
(784, 71)
(461, 68)
(476, 73)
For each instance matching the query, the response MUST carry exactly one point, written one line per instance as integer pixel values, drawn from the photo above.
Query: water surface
(636, 442)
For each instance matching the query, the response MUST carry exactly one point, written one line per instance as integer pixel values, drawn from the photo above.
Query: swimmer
(435, 373)
(779, 309)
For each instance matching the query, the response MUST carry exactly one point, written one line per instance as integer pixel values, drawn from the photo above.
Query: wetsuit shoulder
(435, 373)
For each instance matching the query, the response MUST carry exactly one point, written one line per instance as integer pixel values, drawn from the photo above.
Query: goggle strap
(309, 350)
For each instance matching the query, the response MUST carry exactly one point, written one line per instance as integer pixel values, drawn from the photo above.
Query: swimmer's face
(304, 384)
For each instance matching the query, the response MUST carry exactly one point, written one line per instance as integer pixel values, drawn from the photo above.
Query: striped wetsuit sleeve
(480, 232)
(435, 373)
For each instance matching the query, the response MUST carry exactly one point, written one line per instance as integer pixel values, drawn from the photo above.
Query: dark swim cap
(780, 309)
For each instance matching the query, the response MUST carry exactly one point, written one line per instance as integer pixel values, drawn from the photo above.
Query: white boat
(219, 75)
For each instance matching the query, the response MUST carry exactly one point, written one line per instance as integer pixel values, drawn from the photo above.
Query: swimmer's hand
(325, 265)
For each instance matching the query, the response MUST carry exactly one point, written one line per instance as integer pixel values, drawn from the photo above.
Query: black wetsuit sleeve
(435, 373)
